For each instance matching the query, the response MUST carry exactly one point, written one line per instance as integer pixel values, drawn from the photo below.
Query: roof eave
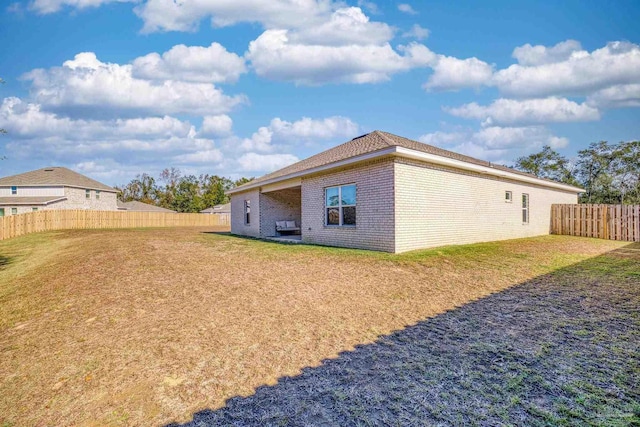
(416, 155)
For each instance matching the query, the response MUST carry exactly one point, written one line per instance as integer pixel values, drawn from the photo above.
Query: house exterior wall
(374, 207)
(238, 225)
(436, 206)
(27, 191)
(76, 199)
(281, 205)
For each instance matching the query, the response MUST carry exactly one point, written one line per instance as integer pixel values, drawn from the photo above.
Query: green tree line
(174, 191)
(610, 173)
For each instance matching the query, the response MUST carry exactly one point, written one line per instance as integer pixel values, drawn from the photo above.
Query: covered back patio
(281, 204)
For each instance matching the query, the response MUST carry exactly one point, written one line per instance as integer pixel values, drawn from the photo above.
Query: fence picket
(33, 222)
(613, 222)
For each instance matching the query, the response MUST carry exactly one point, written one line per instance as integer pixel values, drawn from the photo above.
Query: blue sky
(242, 87)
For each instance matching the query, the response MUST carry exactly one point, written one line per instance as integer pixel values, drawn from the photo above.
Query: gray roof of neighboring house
(54, 176)
(39, 200)
(136, 206)
(226, 208)
(370, 143)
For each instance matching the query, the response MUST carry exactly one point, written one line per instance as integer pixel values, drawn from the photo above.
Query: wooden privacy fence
(613, 222)
(33, 222)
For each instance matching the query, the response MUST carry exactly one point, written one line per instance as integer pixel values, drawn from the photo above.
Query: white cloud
(298, 132)
(539, 55)
(216, 125)
(370, 6)
(210, 157)
(85, 81)
(580, 73)
(253, 162)
(406, 8)
(213, 64)
(532, 111)
(170, 15)
(451, 73)
(345, 26)
(274, 56)
(417, 32)
(616, 96)
(496, 144)
(51, 6)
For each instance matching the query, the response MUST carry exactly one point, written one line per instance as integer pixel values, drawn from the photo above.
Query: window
(14, 211)
(525, 209)
(508, 196)
(247, 212)
(97, 194)
(34, 209)
(1, 211)
(14, 190)
(340, 205)
(87, 194)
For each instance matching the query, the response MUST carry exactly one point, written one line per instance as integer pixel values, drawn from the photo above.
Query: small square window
(34, 209)
(14, 211)
(87, 194)
(508, 196)
(14, 190)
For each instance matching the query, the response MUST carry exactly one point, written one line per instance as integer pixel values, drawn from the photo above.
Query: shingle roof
(226, 208)
(36, 200)
(369, 143)
(54, 176)
(136, 206)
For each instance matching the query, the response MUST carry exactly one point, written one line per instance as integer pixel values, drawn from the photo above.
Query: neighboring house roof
(136, 206)
(54, 176)
(226, 208)
(40, 200)
(378, 144)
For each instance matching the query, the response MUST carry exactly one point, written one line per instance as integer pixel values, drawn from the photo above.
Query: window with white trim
(14, 190)
(87, 194)
(14, 211)
(34, 209)
(247, 212)
(340, 205)
(97, 194)
(525, 208)
(508, 196)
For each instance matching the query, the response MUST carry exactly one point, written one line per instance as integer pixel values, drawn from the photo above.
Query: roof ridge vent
(361, 136)
(48, 169)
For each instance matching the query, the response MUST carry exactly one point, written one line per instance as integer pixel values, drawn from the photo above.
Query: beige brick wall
(281, 205)
(437, 206)
(237, 214)
(77, 199)
(374, 207)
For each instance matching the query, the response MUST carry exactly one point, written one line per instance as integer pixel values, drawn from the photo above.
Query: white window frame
(247, 212)
(14, 190)
(508, 196)
(339, 206)
(14, 211)
(525, 208)
(97, 194)
(87, 194)
(34, 209)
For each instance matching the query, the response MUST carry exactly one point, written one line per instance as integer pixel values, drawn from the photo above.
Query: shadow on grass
(560, 349)
(5, 261)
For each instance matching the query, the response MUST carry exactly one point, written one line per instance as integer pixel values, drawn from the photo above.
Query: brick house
(54, 188)
(388, 193)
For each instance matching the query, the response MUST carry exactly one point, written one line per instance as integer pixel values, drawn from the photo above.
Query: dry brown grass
(144, 327)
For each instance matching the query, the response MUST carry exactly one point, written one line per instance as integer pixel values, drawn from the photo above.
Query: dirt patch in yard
(144, 327)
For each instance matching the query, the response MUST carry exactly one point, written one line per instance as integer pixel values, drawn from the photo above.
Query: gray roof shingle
(54, 176)
(369, 143)
(35, 200)
(136, 206)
